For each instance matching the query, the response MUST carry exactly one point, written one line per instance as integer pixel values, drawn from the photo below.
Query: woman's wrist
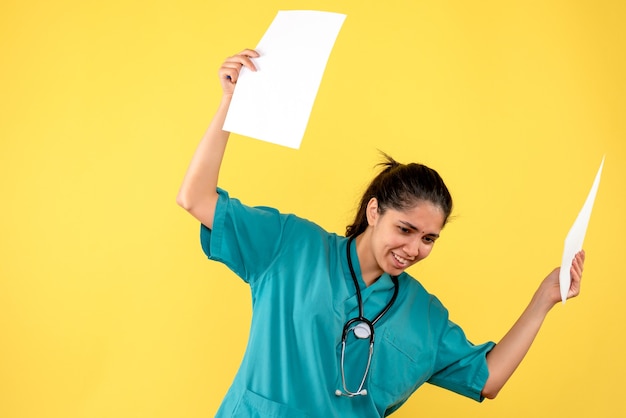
(541, 303)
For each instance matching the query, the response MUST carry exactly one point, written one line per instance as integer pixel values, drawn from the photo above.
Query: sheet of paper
(576, 236)
(274, 103)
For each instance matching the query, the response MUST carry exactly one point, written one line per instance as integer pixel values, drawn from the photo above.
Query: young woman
(339, 328)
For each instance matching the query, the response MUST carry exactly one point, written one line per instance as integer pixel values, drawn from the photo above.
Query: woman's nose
(412, 248)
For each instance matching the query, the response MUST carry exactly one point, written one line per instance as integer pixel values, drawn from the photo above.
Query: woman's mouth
(401, 262)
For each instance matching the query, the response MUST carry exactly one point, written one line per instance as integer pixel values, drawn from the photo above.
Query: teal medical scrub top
(302, 295)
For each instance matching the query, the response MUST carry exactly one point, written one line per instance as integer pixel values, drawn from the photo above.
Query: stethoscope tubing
(361, 319)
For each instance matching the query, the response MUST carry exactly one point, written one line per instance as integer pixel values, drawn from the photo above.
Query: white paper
(576, 236)
(274, 103)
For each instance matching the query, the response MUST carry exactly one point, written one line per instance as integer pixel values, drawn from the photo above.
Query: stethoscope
(362, 328)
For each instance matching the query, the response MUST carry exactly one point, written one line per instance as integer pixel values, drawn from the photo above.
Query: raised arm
(198, 193)
(509, 352)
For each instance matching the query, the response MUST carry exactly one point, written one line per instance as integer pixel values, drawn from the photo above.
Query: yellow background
(108, 308)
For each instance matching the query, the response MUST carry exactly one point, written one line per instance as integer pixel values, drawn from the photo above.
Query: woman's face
(401, 238)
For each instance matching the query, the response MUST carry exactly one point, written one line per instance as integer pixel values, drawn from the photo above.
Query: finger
(244, 58)
(579, 262)
(249, 53)
(576, 270)
(231, 68)
(229, 73)
(581, 256)
(239, 60)
(574, 288)
(576, 278)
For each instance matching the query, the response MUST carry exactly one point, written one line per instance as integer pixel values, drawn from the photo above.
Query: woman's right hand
(230, 69)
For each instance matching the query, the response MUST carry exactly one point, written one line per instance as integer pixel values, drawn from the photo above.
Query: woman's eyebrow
(414, 228)
(408, 225)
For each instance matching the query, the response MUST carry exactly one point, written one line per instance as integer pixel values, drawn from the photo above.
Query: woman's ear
(372, 211)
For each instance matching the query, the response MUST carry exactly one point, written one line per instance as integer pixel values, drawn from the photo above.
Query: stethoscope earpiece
(362, 392)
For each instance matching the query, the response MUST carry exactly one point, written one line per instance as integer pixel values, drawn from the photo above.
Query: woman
(319, 298)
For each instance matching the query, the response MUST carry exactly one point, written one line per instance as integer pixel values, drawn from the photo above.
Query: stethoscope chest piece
(362, 331)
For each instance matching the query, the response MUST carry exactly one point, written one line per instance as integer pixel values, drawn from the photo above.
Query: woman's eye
(404, 230)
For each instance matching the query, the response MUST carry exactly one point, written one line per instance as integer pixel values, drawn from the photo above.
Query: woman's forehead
(422, 214)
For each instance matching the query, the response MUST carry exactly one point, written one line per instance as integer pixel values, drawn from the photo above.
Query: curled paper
(576, 236)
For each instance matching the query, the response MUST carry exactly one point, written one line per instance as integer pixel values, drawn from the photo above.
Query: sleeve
(245, 239)
(460, 366)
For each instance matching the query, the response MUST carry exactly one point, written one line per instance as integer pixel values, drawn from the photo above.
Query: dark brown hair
(400, 186)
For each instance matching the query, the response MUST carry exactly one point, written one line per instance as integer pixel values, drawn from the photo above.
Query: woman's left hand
(551, 287)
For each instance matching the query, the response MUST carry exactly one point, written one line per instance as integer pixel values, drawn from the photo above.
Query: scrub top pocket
(399, 367)
(252, 405)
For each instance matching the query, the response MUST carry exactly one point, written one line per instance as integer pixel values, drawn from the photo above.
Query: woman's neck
(370, 270)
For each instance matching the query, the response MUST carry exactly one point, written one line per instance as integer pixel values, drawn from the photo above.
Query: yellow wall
(108, 307)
